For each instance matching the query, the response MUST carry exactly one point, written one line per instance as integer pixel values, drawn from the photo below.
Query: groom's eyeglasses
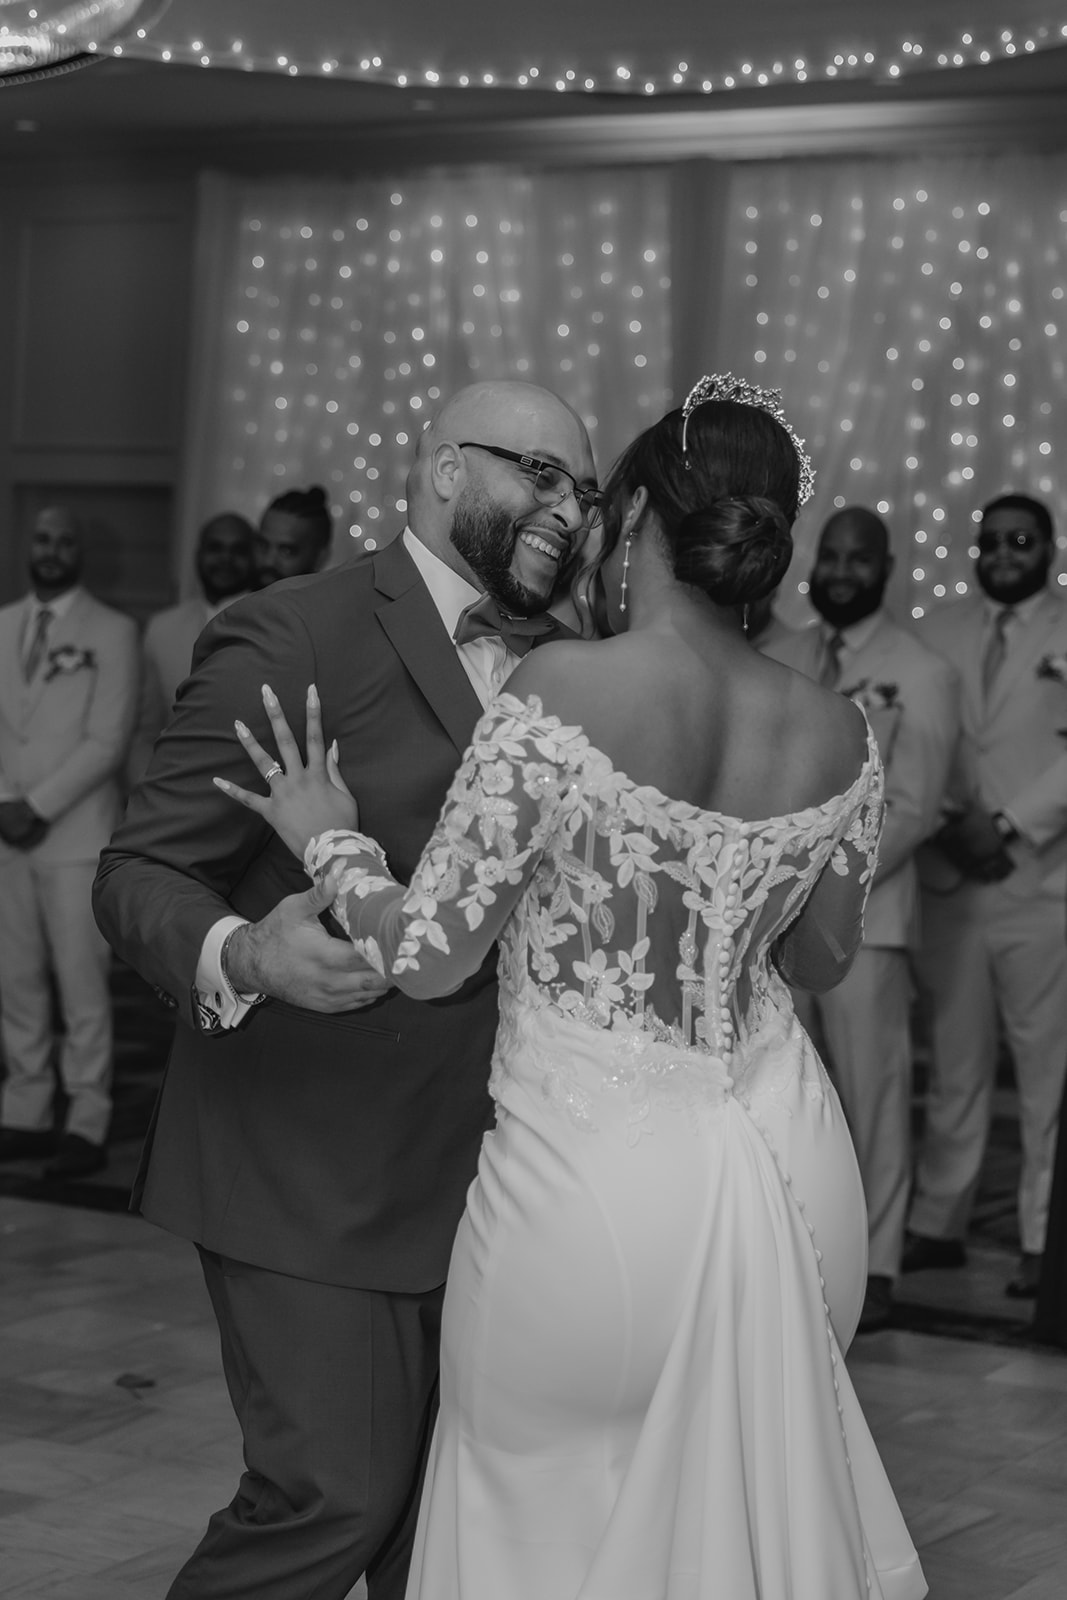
(550, 484)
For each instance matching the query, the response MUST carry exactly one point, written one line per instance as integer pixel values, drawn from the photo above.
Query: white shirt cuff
(1012, 820)
(214, 990)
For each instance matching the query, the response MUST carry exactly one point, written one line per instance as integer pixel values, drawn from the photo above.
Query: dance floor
(117, 1441)
(964, 1305)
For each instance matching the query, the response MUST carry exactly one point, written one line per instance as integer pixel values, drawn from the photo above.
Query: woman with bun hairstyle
(294, 535)
(663, 1255)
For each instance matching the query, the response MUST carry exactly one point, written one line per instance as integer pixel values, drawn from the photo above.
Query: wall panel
(92, 371)
(99, 317)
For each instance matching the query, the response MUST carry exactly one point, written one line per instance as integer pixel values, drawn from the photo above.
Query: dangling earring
(625, 569)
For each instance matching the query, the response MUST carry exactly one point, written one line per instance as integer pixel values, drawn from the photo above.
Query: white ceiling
(142, 102)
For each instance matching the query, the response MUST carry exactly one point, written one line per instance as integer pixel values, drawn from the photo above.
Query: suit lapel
(415, 630)
(969, 661)
(63, 631)
(1023, 656)
(12, 687)
(873, 651)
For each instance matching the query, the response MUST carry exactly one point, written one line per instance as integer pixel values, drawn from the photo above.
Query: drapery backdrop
(337, 315)
(912, 311)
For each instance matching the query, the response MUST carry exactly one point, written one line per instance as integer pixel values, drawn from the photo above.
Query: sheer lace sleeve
(503, 805)
(817, 949)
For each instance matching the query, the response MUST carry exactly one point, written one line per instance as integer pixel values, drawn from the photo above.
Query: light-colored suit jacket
(912, 700)
(166, 660)
(64, 736)
(1011, 754)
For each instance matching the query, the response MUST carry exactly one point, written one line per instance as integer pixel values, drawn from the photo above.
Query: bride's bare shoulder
(567, 673)
(828, 729)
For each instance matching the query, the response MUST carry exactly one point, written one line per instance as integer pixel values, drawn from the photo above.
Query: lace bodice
(613, 904)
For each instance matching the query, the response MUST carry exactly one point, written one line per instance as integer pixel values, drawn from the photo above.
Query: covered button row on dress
(726, 956)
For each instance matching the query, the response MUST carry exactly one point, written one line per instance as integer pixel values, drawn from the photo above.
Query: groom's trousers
(335, 1390)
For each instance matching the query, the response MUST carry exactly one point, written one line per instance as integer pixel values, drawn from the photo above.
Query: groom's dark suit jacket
(331, 1147)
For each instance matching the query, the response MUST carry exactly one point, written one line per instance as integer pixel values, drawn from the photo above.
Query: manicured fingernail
(220, 783)
(269, 696)
(313, 695)
(241, 729)
(335, 750)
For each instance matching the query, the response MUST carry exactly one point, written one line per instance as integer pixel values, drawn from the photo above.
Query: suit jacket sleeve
(102, 748)
(152, 708)
(166, 877)
(1040, 810)
(918, 768)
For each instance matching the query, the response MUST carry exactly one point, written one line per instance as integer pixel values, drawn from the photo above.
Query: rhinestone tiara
(724, 386)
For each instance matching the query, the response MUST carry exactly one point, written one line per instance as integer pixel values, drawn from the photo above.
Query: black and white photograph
(533, 800)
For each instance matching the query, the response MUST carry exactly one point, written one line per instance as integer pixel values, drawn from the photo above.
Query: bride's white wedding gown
(643, 1395)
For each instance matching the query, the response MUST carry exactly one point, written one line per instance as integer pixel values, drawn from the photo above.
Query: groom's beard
(485, 537)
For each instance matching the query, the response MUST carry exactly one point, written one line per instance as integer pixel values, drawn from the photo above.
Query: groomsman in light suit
(224, 568)
(993, 902)
(68, 686)
(911, 697)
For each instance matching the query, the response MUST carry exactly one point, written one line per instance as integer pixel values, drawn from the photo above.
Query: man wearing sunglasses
(316, 1132)
(993, 956)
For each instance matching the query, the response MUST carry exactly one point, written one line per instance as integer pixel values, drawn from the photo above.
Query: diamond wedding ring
(272, 772)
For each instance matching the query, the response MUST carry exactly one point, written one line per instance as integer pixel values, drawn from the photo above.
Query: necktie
(483, 619)
(830, 671)
(996, 649)
(38, 644)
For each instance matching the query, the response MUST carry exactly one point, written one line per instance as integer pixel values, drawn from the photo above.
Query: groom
(314, 1135)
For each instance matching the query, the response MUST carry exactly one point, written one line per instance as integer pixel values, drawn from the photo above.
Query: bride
(643, 1393)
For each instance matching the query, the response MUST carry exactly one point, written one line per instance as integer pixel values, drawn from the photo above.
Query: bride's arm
(819, 947)
(430, 935)
(503, 804)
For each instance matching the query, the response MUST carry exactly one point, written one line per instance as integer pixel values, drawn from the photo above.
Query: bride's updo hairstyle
(724, 479)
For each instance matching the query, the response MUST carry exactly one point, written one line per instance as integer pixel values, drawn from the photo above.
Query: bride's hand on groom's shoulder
(303, 799)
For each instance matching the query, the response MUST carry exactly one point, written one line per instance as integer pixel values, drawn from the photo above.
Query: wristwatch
(1009, 833)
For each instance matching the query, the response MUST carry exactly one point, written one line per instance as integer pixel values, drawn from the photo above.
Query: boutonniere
(874, 696)
(68, 658)
(1054, 667)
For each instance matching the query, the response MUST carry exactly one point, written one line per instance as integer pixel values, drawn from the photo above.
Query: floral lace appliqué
(614, 905)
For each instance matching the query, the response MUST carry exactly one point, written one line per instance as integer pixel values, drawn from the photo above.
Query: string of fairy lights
(353, 309)
(917, 324)
(698, 75)
(913, 313)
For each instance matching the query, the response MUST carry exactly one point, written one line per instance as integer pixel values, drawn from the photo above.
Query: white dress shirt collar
(857, 634)
(58, 607)
(450, 593)
(1022, 611)
(487, 661)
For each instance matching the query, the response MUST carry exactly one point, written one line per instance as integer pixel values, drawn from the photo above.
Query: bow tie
(483, 619)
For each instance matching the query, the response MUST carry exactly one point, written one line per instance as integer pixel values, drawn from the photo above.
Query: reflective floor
(116, 1438)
